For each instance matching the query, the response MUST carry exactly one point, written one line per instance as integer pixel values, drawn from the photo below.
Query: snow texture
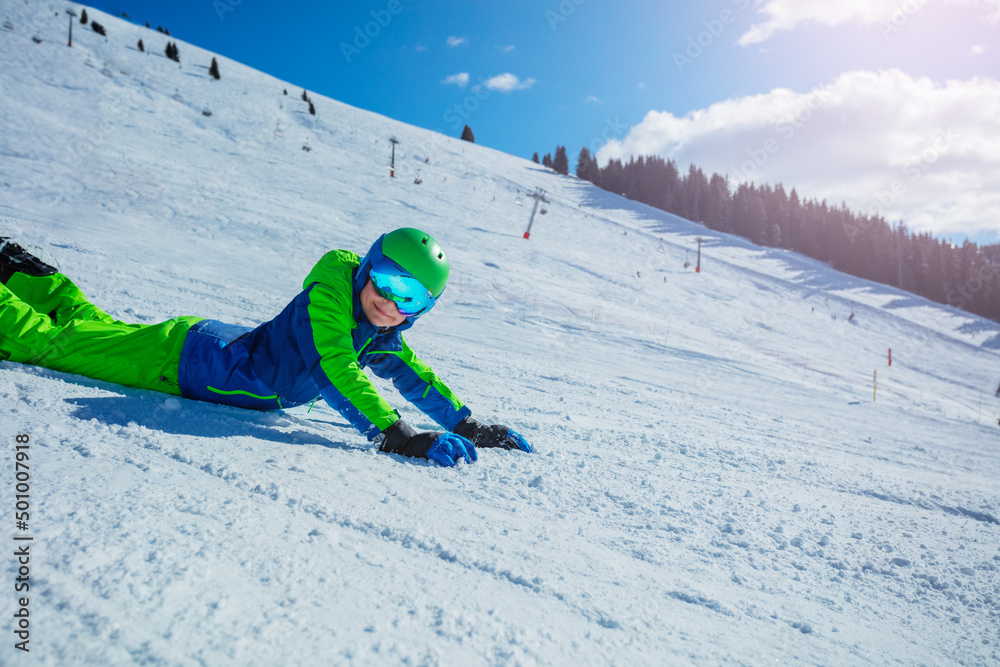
(712, 483)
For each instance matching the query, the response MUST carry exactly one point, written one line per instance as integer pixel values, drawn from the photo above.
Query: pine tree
(583, 163)
(534, 158)
(696, 191)
(98, 28)
(141, 47)
(83, 17)
(561, 162)
(613, 177)
(632, 169)
(547, 160)
(777, 212)
(214, 70)
(305, 98)
(717, 213)
(166, 31)
(312, 109)
(467, 135)
(794, 237)
(758, 222)
(774, 235)
(594, 172)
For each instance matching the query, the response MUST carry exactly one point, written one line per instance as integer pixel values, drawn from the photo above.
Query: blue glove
(443, 448)
(449, 448)
(518, 440)
(494, 435)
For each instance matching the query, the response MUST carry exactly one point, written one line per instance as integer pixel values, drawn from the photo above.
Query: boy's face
(379, 311)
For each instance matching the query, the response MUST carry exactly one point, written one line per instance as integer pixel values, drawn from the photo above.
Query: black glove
(444, 448)
(495, 435)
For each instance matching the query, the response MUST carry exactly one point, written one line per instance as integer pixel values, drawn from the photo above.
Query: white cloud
(419, 48)
(884, 142)
(888, 15)
(508, 82)
(788, 14)
(461, 79)
(977, 50)
(642, 85)
(457, 41)
(506, 49)
(593, 99)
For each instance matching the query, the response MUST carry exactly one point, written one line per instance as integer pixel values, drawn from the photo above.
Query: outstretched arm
(420, 385)
(346, 388)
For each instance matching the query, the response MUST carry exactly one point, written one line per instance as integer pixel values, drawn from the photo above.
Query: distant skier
(349, 316)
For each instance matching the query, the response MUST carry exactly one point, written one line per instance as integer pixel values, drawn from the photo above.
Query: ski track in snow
(713, 482)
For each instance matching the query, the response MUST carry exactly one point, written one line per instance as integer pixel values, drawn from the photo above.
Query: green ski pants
(47, 321)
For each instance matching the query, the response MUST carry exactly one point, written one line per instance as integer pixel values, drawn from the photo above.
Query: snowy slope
(713, 482)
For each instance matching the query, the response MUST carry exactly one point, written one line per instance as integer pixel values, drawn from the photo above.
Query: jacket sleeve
(341, 380)
(419, 385)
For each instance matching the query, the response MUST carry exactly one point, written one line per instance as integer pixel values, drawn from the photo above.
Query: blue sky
(583, 72)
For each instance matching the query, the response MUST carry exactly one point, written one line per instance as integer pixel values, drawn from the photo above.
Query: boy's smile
(379, 311)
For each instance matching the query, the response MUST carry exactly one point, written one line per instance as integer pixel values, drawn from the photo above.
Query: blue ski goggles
(412, 299)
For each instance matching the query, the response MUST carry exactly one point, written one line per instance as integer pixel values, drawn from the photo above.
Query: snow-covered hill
(713, 482)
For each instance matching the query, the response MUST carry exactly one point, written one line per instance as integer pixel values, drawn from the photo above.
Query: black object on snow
(15, 259)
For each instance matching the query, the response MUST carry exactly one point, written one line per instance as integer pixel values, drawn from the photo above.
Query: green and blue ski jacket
(317, 346)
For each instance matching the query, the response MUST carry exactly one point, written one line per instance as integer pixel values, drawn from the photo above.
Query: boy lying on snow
(350, 315)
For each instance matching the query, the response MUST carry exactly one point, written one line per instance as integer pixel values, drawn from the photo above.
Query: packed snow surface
(717, 476)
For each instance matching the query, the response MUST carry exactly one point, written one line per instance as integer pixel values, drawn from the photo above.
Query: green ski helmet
(409, 267)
